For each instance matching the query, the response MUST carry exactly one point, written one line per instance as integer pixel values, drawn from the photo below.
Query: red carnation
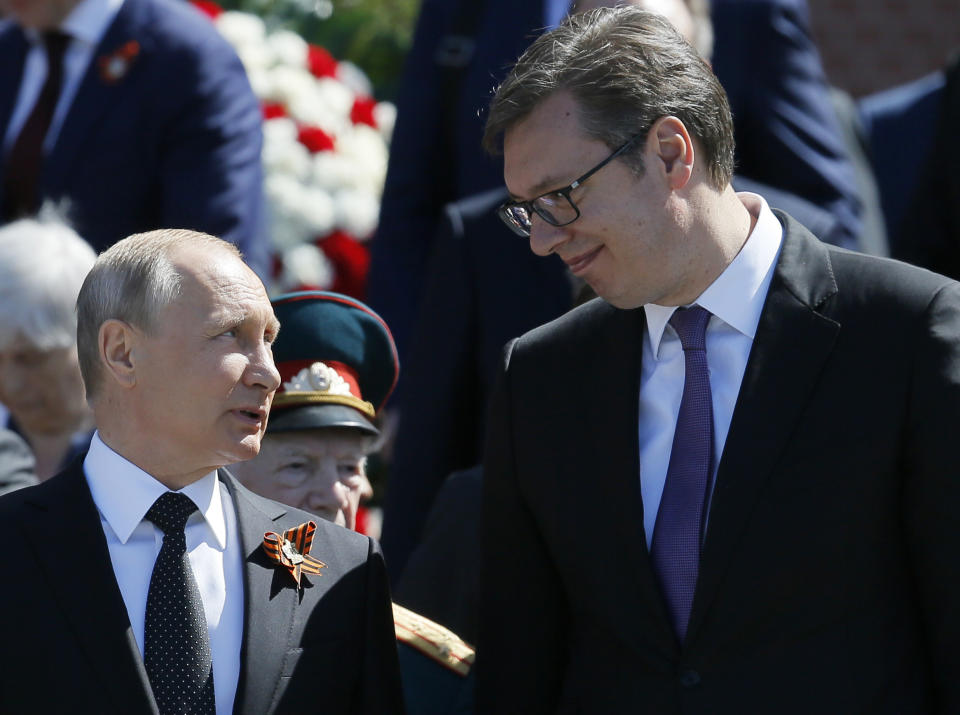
(315, 139)
(208, 8)
(272, 110)
(362, 112)
(350, 260)
(320, 62)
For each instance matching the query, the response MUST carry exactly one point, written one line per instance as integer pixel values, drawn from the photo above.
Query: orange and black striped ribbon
(292, 550)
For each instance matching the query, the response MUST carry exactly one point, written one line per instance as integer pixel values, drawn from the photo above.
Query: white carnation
(241, 28)
(282, 153)
(354, 78)
(288, 48)
(305, 265)
(385, 115)
(357, 212)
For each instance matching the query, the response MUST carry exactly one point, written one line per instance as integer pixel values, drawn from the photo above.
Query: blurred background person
(918, 180)
(338, 364)
(42, 266)
(137, 113)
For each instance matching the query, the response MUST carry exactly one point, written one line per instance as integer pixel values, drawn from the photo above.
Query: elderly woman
(42, 266)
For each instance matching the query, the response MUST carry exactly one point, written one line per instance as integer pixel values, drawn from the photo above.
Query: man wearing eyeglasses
(728, 486)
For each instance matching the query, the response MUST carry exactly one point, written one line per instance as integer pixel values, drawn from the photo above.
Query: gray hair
(132, 281)
(625, 68)
(42, 266)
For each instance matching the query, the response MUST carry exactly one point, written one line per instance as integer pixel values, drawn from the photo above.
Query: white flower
(357, 212)
(241, 28)
(282, 152)
(354, 78)
(288, 48)
(305, 264)
(385, 114)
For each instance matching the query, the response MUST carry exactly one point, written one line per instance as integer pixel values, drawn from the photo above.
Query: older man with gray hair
(42, 266)
(150, 579)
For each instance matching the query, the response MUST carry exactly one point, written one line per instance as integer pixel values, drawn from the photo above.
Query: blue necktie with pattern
(677, 534)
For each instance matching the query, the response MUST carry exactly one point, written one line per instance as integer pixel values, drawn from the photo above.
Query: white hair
(42, 266)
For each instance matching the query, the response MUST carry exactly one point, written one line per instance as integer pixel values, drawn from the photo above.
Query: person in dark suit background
(757, 427)
(918, 183)
(147, 120)
(483, 287)
(133, 613)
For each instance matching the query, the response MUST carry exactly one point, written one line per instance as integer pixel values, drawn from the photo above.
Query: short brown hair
(625, 68)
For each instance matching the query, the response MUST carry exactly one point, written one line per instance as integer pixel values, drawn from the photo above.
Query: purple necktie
(21, 172)
(677, 533)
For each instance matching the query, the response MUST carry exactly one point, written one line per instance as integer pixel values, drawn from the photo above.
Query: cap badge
(319, 377)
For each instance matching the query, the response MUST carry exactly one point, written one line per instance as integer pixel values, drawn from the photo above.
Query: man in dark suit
(730, 485)
(146, 120)
(159, 583)
(789, 150)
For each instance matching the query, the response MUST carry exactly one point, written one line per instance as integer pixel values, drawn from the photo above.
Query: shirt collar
(737, 295)
(124, 493)
(88, 21)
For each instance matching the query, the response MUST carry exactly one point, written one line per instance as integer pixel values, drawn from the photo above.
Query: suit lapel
(95, 95)
(75, 564)
(269, 602)
(612, 401)
(792, 343)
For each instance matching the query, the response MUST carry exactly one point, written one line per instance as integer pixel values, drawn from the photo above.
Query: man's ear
(673, 147)
(116, 341)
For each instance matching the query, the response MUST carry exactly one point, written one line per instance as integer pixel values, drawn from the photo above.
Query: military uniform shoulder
(433, 640)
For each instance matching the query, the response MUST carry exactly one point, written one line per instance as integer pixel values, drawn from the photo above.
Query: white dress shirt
(735, 299)
(85, 24)
(123, 493)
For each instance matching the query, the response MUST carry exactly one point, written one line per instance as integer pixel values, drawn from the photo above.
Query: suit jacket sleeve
(787, 130)
(931, 495)
(380, 691)
(210, 173)
(522, 649)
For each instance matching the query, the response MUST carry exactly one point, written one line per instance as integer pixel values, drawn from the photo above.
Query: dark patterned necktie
(677, 534)
(176, 646)
(21, 171)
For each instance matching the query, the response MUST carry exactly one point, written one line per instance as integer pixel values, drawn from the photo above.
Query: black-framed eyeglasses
(555, 207)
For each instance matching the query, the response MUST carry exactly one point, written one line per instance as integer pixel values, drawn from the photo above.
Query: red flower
(208, 8)
(272, 110)
(350, 260)
(362, 112)
(315, 139)
(320, 62)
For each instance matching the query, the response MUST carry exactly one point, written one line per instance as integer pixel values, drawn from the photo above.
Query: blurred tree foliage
(373, 34)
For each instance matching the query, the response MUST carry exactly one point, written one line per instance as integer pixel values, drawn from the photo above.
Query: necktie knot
(691, 326)
(55, 43)
(171, 511)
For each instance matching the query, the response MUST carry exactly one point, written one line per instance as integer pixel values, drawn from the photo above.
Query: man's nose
(263, 372)
(544, 237)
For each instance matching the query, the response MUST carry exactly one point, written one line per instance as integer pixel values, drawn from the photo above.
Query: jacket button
(689, 678)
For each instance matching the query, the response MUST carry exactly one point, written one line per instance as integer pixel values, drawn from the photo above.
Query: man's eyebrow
(545, 186)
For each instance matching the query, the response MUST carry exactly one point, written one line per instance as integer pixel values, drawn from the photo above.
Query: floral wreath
(324, 154)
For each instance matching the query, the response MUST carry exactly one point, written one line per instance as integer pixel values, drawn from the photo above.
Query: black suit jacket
(829, 577)
(69, 644)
